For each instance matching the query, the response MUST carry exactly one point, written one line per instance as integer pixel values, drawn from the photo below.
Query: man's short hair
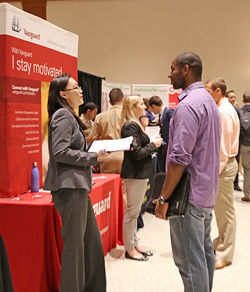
(156, 100)
(218, 83)
(246, 96)
(229, 91)
(116, 95)
(192, 60)
(89, 105)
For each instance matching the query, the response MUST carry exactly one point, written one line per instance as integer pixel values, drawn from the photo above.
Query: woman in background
(136, 168)
(69, 178)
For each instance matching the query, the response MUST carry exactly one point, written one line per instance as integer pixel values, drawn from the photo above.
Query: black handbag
(179, 198)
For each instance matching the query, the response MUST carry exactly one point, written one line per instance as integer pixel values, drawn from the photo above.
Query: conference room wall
(135, 41)
(17, 4)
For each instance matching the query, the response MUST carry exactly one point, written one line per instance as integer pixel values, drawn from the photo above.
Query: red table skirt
(30, 227)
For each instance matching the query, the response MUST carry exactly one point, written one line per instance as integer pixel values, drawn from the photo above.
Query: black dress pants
(5, 274)
(82, 267)
(236, 180)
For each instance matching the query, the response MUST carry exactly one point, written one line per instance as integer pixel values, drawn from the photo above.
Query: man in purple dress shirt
(194, 146)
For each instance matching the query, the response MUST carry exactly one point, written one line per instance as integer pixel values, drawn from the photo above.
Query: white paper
(152, 132)
(111, 145)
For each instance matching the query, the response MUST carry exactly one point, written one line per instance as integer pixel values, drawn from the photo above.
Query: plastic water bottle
(35, 178)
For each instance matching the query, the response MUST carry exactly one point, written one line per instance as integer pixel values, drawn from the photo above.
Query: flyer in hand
(111, 145)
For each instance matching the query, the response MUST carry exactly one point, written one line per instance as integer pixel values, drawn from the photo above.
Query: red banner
(173, 97)
(31, 61)
(31, 56)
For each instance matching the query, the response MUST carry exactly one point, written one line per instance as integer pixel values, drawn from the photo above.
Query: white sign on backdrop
(107, 86)
(148, 90)
(20, 24)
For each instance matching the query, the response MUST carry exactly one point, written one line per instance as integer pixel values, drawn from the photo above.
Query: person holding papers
(69, 179)
(137, 166)
(107, 126)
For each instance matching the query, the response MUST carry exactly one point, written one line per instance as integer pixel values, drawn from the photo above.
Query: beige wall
(17, 4)
(135, 41)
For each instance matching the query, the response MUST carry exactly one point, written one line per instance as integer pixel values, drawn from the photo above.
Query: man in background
(245, 144)
(89, 112)
(231, 95)
(107, 125)
(224, 208)
(195, 123)
(165, 114)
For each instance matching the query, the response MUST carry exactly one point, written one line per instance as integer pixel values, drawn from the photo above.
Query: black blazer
(70, 163)
(164, 122)
(137, 162)
(244, 137)
(164, 125)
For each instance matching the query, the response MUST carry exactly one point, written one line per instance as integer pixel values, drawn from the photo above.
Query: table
(30, 227)
(107, 201)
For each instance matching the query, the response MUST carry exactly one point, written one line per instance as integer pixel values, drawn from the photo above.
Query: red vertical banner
(33, 52)
(173, 97)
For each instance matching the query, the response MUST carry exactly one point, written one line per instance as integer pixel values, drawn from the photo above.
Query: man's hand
(173, 175)
(161, 210)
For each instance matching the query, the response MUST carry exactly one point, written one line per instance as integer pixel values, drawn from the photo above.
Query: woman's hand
(158, 141)
(101, 153)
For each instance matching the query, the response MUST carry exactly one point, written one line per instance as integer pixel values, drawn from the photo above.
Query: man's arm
(226, 134)
(184, 131)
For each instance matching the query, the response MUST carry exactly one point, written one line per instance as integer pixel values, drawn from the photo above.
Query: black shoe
(237, 188)
(128, 256)
(145, 253)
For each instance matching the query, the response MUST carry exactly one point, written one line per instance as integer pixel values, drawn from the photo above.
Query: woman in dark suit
(136, 168)
(69, 178)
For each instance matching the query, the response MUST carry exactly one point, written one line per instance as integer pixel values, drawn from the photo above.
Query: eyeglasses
(77, 87)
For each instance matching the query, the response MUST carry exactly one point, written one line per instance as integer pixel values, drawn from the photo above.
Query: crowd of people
(202, 136)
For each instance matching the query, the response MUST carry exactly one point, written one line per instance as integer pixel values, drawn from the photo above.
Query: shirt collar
(162, 110)
(116, 106)
(191, 87)
(222, 101)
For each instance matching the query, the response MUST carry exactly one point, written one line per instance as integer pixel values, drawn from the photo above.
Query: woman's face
(139, 108)
(73, 94)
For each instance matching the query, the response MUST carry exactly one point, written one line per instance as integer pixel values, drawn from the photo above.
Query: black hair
(230, 91)
(192, 60)
(91, 106)
(55, 101)
(156, 100)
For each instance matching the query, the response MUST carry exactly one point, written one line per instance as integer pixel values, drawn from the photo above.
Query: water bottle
(35, 178)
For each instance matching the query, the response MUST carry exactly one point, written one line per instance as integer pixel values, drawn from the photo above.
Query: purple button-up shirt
(194, 141)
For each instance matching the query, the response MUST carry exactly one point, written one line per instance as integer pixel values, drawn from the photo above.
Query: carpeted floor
(160, 273)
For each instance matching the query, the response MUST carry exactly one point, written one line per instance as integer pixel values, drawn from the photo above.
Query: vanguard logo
(16, 27)
(15, 24)
(31, 34)
(102, 206)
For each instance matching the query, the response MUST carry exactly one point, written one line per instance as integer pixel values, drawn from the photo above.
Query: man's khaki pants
(225, 213)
